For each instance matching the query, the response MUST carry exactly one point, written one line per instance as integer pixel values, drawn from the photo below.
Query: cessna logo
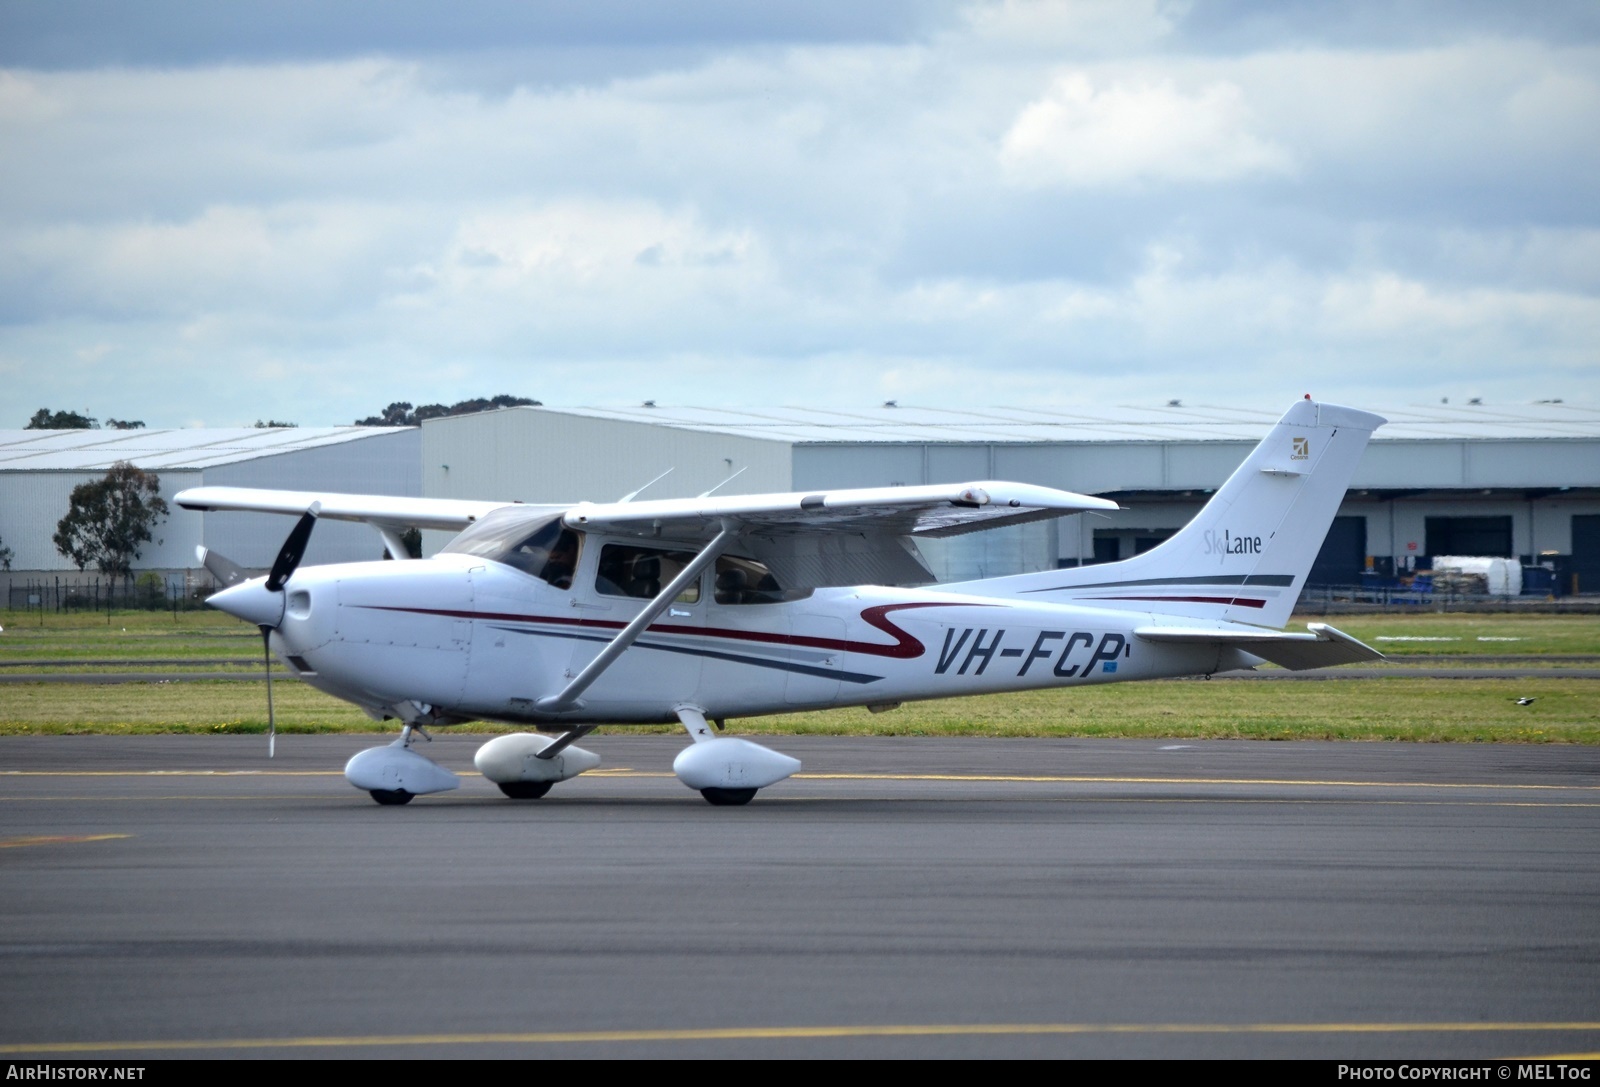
(1302, 449)
(1226, 543)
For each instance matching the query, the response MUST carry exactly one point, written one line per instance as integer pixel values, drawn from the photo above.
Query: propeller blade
(272, 720)
(227, 572)
(294, 548)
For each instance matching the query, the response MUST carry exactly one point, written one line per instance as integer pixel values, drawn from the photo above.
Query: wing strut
(568, 698)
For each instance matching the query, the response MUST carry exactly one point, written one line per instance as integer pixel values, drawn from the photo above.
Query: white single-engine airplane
(567, 617)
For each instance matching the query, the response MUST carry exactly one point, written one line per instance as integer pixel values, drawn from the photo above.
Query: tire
(524, 790)
(391, 796)
(727, 798)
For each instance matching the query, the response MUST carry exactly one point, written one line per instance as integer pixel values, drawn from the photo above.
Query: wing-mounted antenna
(724, 483)
(631, 495)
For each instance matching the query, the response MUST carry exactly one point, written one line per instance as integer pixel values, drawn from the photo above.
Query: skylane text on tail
(564, 617)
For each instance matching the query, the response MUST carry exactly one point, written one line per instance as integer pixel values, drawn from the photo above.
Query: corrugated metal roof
(98, 450)
(1199, 422)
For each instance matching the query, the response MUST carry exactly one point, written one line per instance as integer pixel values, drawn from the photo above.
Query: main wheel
(728, 798)
(524, 790)
(391, 796)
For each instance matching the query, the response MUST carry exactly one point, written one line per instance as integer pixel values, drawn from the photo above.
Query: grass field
(1401, 707)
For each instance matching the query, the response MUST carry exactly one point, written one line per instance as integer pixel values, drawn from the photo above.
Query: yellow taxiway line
(909, 1030)
(56, 839)
(1045, 779)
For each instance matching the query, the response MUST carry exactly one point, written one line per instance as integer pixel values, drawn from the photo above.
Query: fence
(1333, 598)
(150, 591)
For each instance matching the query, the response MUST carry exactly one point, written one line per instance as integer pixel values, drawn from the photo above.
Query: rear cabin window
(642, 572)
(746, 581)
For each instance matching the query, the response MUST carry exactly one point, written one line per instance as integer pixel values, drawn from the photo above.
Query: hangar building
(39, 469)
(1479, 479)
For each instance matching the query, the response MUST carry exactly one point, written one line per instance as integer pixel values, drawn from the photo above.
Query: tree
(401, 412)
(5, 556)
(45, 419)
(270, 423)
(125, 424)
(109, 520)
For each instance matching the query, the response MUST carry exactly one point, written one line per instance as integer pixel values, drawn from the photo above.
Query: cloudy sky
(303, 210)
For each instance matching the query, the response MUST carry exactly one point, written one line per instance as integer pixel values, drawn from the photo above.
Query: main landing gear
(524, 765)
(728, 798)
(525, 790)
(727, 771)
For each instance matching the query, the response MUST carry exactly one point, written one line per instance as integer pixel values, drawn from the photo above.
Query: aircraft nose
(251, 601)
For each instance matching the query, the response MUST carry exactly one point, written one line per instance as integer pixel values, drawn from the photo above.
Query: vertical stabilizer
(1246, 555)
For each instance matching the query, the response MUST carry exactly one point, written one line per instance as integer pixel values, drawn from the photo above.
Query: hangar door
(1343, 555)
(1586, 552)
(1469, 536)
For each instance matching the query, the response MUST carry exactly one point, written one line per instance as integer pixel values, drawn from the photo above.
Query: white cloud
(1080, 135)
(1040, 189)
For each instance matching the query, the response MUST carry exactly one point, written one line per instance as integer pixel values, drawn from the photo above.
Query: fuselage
(456, 637)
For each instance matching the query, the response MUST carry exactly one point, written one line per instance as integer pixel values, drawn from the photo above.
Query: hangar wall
(1399, 485)
(384, 463)
(387, 461)
(537, 455)
(32, 503)
(1540, 487)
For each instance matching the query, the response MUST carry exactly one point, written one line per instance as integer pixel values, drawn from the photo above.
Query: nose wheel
(391, 796)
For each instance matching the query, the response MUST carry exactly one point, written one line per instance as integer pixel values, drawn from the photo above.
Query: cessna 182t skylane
(566, 617)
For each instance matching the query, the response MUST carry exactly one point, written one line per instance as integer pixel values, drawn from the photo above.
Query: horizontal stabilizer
(1321, 647)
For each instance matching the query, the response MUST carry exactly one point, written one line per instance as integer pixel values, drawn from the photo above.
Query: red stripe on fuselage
(905, 647)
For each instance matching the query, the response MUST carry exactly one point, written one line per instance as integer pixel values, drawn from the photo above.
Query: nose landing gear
(393, 774)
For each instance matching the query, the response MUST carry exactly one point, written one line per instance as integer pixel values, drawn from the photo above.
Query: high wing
(808, 539)
(374, 509)
(1322, 647)
(845, 537)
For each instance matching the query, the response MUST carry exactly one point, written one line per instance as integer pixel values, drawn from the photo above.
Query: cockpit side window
(642, 572)
(550, 554)
(746, 581)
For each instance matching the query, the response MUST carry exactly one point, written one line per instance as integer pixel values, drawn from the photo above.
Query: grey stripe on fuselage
(1209, 579)
(696, 651)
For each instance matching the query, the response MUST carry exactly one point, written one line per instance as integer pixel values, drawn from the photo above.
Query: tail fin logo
(1302, 449)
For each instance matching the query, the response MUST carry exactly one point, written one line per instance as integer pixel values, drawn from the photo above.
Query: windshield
(531, 540)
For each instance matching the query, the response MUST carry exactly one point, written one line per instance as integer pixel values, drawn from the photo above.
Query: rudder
(1246, 555)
